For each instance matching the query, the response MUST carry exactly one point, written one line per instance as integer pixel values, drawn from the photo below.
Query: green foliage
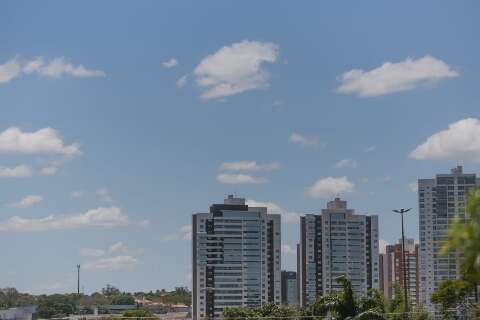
(450, 295)
(344, 305)
(268, 310)
(138, 313)
(464, 238)
(57, 305)
(122, 299)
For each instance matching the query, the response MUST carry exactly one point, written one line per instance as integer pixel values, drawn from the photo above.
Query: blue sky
(119, 120)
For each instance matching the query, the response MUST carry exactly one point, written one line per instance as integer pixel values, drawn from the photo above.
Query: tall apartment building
(391, 269)
(236, 258)
(337, 242)
(289, 288)
(440, 199)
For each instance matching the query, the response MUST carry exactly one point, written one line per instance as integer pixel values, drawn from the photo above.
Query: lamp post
(405, 282)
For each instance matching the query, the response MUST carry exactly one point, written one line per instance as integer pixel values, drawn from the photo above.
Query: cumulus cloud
(27, 202)
(19, 171)
(393, 77)
(303, 140)
(104, 195)
(240, 178)
(182, 81)
(346, 163)
(460, 141)
(115, 263)
(44, 141)
(330, 186)
(55, 68)
(170, 63)
(236, 68)
(95, 218)
(273, 208)
(246, 165)
(290, 250)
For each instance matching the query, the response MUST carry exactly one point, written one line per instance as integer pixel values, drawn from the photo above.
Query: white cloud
(182, 81)
(20, 171)
(98, 218)
(58, 67)
(273, 208)
(76, 194)
(104, 195)
(239, 179)
(54, 68)
(382, 245)
(413, 186)
(27, 202)
(89, 252)
(44, 141)
(170, 63)
(387, 179)
(246, 165)
(460, 141)
(115, 263)
(236, 68)
(303, 140)
(186, 231)
(346, 163)
(287, 249)
(330, 186)
(395, 76)
(48, 171)
(10, 70)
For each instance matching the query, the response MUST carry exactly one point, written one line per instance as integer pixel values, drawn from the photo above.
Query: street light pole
(405, 282)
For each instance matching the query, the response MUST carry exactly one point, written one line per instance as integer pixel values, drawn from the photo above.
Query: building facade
(440, 199)
(236, 258)
(334, 243)
(391, 269)
(289, 288)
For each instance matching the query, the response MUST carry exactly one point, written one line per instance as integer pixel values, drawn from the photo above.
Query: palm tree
(344, 306)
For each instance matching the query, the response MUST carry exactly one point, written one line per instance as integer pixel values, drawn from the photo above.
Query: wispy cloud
(104, 195)
(27, 202)
(182, 81)
(55, 68)
(246, 165)
(303, 140)
(170, 63)
(393, 77)
(346, 163)
(20, 171)
(236, 68)
(240, 178)
(288, 249)
(94, 218)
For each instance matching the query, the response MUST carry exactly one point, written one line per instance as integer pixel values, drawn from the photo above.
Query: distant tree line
(59, 305)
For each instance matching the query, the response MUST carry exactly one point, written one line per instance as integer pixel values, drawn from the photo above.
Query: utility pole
(78, 279)
(405, 282)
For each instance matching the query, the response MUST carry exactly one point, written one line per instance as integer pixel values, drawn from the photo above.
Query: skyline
(117, 128)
